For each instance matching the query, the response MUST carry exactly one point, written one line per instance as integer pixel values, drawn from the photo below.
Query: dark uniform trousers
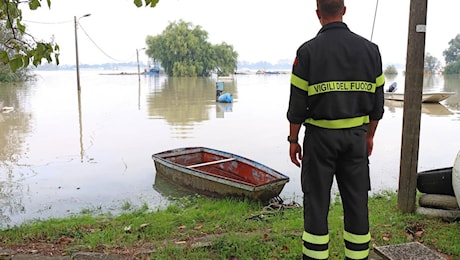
(343, 153)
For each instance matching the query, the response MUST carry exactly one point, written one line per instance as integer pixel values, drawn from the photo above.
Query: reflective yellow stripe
(317, 240)
(334, 86)
(380, 80)
(298, 82)
(339, 123)
(356, 239)
(314, 239)
(356, 254)
(337, 85)
(315, 254)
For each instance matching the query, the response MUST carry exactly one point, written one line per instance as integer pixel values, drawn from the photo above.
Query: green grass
(206, 228)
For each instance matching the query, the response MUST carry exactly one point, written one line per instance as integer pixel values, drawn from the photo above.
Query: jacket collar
(333, 25)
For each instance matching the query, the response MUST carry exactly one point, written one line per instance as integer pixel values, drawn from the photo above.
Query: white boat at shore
(427, 97)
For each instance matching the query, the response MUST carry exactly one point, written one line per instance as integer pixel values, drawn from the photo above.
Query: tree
(6, 74)
(391, 70)
(226, 59)
(21, 49)
(432, 64)
(452, 56)
(183, 50)
(452, 68)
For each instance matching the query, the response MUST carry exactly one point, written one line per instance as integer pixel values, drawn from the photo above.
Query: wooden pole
(138, 66)
(412, 106)
(77, 63)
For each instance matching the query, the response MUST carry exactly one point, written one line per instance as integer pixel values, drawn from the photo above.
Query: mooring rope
(275, 207)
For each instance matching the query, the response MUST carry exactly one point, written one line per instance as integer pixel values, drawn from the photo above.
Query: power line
(89, 37)
(100, 49)
(48, 22)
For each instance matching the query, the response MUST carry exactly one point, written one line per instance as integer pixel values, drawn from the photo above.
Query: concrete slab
(408, 251)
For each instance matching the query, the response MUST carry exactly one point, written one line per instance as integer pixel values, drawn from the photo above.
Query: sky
(258, 30)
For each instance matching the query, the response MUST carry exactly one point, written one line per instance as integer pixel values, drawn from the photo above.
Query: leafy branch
(16, 50)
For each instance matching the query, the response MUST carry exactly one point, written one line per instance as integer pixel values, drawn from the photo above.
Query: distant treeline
(285, 64)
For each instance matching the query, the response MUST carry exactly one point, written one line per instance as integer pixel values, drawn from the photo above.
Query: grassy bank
(204, 228)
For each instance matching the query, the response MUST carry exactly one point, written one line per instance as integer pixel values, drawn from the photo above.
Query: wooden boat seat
(210, 163)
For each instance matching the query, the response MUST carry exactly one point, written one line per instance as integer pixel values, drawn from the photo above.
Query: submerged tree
(432, 64)
(391, 70)
(183, 50)
(452, 56)
(226, 59)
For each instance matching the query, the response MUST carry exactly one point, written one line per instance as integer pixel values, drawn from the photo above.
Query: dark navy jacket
(337, 80)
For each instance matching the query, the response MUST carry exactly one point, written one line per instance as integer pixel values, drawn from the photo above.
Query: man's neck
(331, 20)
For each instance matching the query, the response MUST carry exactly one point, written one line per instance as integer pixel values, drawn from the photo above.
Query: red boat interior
(225, 167)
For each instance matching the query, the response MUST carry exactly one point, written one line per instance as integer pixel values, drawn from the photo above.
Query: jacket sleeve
(297, 111)
(298, 100)
(378, 110)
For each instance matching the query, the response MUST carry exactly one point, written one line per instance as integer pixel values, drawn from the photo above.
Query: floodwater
(62, 153)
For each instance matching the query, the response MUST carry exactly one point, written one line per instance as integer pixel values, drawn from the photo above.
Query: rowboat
(219, 174)
(427, 97)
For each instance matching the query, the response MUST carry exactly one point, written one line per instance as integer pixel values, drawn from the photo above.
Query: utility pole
(138, 66)
(75, 21)
(412, 106)
(77, 63)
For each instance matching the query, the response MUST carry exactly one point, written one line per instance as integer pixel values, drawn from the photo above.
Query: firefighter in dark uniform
(337, 94)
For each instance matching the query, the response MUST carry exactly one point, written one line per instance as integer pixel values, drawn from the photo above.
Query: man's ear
(344, 10)
(318, 13)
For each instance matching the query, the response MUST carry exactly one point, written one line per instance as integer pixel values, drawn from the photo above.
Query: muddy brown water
(62, 152)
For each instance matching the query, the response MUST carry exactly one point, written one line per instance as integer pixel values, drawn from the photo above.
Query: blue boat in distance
(155, 70)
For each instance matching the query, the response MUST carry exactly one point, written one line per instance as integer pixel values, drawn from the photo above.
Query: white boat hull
(456, 178)
(427, 97)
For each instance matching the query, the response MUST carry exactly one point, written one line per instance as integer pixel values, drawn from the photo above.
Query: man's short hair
(330, 8)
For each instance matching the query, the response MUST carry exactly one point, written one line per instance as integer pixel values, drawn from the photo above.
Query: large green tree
(21, 49)
(452, 56)
(183, 50)
(226, 59)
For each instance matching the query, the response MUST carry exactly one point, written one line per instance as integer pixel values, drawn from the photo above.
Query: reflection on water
(184, 102)
(222, 108)
(427, 108)
(452, 83)
(168, 189)
(433, 83)
(14, 126)
(62, 152)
